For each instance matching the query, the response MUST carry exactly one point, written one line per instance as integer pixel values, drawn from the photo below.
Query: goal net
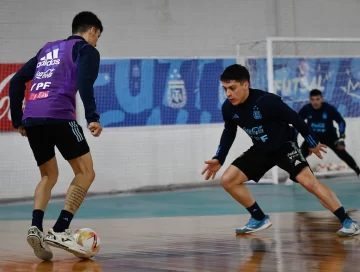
(292, 67)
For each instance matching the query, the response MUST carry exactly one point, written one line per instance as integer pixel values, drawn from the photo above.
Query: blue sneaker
(255, 225)
(349, 228)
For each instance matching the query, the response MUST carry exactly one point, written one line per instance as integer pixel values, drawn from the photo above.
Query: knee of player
(90, 175)
(309, 183)
(86, 176)
(47, 182)
(86, 172)
(310, 186)
(50, 177)
(307, 179)
(227, 181)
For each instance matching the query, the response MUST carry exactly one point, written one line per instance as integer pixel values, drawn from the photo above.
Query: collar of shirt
(75, 37)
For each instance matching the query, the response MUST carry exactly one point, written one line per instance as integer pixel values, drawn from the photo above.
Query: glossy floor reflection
(295, 242)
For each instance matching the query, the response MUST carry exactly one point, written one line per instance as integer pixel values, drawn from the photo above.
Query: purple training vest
(54, 88)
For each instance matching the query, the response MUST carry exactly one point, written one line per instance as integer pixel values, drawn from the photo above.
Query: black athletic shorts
(254, 163)
(67, 136)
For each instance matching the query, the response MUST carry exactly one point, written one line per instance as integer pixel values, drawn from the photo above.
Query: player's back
(54, 87)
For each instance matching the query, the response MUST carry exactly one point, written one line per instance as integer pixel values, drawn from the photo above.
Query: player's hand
(340, 144)
(22, 131)
(318, 149)
(211, 168)
(95, 128)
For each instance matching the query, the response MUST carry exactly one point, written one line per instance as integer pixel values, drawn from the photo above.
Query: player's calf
(232, 181)
(329, 200)
(60, 235)
(84, 176)
(327, 197)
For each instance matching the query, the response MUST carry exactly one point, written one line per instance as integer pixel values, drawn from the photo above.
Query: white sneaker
(349, 228)
(35, 239)
(64, 240)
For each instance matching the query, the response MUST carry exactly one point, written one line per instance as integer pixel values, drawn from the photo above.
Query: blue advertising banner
(145, 92)
(294, 78)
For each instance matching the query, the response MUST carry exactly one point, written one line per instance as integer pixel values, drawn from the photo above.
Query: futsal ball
(88, 239)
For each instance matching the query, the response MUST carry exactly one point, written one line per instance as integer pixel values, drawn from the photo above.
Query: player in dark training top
(266, 118)
(57, 71)
(320, 116)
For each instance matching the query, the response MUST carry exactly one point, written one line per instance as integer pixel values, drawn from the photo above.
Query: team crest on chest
(256, 113)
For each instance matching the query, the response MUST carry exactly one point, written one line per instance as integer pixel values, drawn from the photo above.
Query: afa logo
(256, 113)
(324, 115)
(176, 92)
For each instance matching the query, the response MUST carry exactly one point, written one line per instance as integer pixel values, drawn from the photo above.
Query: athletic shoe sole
(265, 226)
(40, 252)
(77, 253)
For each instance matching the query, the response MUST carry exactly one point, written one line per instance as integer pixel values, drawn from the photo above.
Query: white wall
(172, 27)
(128, 158)
(124, 158)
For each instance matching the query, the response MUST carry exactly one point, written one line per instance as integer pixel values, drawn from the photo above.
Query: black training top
(321, 121)
(265, 118)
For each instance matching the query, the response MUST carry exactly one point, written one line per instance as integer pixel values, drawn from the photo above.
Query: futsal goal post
(292, 66)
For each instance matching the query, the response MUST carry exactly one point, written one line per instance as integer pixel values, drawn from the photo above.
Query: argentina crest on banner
(176, 92)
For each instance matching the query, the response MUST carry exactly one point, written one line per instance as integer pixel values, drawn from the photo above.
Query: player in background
(320, 116)
(57, 71)
(266, 118)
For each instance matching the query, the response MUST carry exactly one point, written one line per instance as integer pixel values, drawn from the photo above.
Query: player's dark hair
(235, 72)
(315, 92)
(85, 20)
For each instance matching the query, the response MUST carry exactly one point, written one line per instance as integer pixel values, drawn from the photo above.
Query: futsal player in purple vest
(57, 71)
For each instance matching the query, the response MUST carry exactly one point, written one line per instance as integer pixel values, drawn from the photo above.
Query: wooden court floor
(295, 242)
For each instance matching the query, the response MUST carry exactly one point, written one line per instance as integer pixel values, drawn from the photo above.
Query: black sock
(341, 214)
(63, 221)
(256, 212)
(37, 219)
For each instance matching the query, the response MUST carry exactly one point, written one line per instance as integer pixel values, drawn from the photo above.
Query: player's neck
(247, 93)
(319, 108)
(79, 35)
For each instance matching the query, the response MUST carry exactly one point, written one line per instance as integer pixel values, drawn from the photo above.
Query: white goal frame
(269, 46)
(270, 78)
